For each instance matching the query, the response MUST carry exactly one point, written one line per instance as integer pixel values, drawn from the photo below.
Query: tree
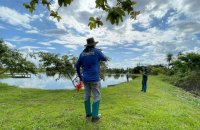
(187, 71)
(3, 50)
(103, 68)
(114, 13)
(187, 62)
(11, 60)
(169, 58)
(55, 64)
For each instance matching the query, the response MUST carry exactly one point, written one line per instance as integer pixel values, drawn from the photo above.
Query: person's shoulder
(82, 53)
(95, 49)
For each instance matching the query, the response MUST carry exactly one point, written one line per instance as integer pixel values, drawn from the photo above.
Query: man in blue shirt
(89, 61)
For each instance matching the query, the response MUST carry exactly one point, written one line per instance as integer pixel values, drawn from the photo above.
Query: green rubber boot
(88, 108)
(95, 111)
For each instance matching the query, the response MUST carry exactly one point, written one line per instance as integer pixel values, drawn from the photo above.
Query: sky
(164, 26)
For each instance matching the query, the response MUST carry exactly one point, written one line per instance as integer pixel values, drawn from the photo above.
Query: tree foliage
(187, 62)
(186, 69)
(63, 66)
(11, 60)
(103, 67)
(114, 13)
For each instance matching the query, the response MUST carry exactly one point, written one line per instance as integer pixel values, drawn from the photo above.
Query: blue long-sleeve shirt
(90, 63)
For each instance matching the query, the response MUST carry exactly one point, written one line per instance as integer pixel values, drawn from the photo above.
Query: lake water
(41, 81)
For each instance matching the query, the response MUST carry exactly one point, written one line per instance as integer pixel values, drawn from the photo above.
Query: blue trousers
(144, 85)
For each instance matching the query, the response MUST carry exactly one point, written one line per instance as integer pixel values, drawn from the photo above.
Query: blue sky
(164, 26)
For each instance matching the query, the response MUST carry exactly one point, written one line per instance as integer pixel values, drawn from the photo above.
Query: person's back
(144, 76)
(91, 64)
(89, 61)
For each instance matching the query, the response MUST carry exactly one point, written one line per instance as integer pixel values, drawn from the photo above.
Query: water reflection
(109, 75)
(41, 81)
(116, 76)
(122, 75)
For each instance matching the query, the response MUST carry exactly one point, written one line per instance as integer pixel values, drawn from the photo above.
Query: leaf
(55, 15)
(44, 2)
(90, 27)
(133, 3)
(89, 23)
(101, 23)
(134, 14)
(31, 10)
(92, 19)
(94, 25)
(26, 5)
(60, 2)
(52, 13)
(58, 18)
(48, 7)
(67, 2)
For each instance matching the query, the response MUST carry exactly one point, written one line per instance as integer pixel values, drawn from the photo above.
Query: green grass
(124, 106)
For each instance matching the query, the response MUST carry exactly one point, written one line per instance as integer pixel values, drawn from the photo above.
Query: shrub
(189, 81)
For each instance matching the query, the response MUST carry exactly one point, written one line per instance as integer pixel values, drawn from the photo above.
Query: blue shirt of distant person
(89, 61)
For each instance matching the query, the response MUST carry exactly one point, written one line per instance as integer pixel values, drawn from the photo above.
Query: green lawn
(124, 106)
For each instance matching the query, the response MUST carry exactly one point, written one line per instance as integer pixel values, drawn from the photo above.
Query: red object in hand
(79, 86)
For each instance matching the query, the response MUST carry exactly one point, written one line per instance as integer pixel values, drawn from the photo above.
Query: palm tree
(169, 58)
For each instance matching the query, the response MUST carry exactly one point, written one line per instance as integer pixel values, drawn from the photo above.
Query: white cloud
(195, 50)
(10, 44)
(74, 47)
(51, 48)
(29, 47)
(20, 39)
(45, 43)
(135, 49)
(15, 18)
(33, 31)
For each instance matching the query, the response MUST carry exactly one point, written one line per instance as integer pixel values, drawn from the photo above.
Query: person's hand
(79, 86)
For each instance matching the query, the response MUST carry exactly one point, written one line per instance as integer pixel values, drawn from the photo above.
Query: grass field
(124, 106)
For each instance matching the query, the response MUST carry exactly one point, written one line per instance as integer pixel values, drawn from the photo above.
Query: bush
(189, 81)
(134, 77)
(156, 71)
(169, 72)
